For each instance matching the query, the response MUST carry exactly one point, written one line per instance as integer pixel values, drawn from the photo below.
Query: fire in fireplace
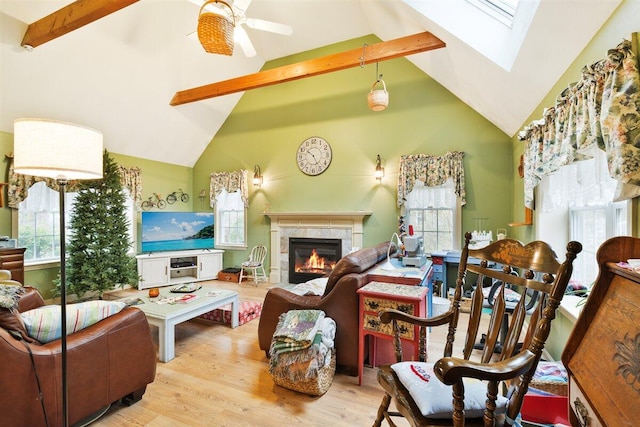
(312, 258)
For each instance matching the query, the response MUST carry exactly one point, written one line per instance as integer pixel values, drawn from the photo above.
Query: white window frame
(235, 206)
(456, 233)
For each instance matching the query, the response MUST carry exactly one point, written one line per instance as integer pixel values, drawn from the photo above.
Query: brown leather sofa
(111, 360)
(340, 302)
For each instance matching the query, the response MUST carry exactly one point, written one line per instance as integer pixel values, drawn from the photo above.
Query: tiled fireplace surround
(346, 226)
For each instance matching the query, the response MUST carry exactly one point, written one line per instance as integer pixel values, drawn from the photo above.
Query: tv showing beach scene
(177, 231)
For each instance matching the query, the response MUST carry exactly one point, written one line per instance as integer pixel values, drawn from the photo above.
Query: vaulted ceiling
(119, 73)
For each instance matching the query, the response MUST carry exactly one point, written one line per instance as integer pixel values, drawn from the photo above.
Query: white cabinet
(170, 268)
(209, 265)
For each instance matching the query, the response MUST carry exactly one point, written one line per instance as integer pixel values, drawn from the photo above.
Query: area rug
(247, 311)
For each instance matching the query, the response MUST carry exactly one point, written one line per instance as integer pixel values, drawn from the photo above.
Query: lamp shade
(55, 149)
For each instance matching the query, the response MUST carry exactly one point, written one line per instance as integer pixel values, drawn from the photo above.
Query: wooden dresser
(12, 259)
(602, 355)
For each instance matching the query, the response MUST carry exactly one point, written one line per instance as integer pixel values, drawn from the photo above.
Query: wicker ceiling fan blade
(242, 38)
(273, 27)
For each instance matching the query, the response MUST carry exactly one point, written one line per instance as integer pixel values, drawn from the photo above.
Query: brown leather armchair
(340, 302)
(111, 360)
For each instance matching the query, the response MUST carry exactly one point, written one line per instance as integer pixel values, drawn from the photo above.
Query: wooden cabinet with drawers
(379, 296)
(12, 259)
(602, 355)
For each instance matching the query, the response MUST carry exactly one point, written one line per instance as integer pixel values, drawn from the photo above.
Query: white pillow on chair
(434, 398)
(251, 264)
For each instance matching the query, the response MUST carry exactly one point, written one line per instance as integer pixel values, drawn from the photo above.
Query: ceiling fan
(240, 35)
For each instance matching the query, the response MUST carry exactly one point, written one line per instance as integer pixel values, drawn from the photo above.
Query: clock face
(314, 156)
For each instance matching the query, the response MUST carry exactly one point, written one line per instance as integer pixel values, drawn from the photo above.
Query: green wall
(268, 124)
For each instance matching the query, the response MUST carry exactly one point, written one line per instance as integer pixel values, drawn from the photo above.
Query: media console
(175, 267)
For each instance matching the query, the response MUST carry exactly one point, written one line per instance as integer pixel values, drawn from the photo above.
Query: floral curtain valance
(230, 181)
(601, 110)
(431, 170)
(131, 179)
(19, 185)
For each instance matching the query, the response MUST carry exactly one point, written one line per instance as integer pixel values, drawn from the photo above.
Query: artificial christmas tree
(99, 242)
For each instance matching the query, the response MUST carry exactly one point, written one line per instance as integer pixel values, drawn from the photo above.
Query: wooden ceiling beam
(377, 52)
(69, 18)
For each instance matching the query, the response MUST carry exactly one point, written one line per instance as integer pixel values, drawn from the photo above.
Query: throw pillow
(434, 398)
(44, 323)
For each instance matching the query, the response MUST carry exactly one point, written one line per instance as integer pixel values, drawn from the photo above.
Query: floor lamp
(61, 151)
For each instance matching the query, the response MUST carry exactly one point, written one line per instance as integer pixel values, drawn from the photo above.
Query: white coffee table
(167, 316)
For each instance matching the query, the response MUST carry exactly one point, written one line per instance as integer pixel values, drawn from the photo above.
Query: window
(231, 224)
(591, 226)
(38, 220)
(434, 214)
(39, 223)
(576, 204)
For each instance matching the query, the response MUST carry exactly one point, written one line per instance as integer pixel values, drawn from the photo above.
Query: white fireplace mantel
(350, 220)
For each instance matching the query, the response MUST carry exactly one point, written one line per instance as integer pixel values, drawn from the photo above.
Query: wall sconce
(379, 173)
(202, 195)
(257, 176)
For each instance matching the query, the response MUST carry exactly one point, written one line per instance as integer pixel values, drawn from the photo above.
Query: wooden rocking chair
(459, 391)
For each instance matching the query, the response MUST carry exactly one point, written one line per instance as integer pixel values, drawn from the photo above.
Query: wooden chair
(458, 391)
(255, 264)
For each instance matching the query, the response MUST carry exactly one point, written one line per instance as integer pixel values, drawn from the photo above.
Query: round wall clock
(314, 156)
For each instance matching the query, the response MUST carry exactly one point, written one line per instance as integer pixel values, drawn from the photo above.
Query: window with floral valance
(229, 196)
(601, 110)
(432, 171)
(231, 182)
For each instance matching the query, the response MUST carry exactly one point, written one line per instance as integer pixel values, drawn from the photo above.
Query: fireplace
(311, 258)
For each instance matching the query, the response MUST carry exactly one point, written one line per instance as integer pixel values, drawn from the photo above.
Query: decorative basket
(215, 31)
(550, 377)
(553, 387)
(378, 99)
(313, 386)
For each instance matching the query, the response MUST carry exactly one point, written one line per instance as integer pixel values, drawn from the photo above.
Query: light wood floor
(220, 378)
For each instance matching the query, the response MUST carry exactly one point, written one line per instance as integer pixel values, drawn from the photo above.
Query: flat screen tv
(177, 231)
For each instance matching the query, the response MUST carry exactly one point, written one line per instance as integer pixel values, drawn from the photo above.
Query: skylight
(502, 10)
(494, 28)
